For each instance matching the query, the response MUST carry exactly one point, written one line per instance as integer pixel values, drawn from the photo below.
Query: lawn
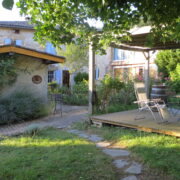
(158, 151)
(53, 154)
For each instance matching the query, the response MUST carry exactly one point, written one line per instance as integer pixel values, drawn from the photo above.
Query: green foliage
(62, 22)
(167, 61)
(125, 96)
(8, 73)
(8, 4)
(174, 83)
(80, 76)
(169, 65)
(78, 95)
(53, 87)
(21, 106)
(76, 57)
(107, 87)
(32, 129)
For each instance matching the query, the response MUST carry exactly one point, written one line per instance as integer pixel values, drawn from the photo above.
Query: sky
(10, 15)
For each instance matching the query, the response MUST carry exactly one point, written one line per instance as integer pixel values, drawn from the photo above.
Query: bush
(53, 87)
(108, 86)
(80, 77)
(32, 129)
(21, 106)
(81, 87)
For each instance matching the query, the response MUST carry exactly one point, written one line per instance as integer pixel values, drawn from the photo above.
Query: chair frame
(149, 104)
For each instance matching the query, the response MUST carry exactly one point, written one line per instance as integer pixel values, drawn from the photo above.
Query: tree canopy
(60, 21)
(76, 56)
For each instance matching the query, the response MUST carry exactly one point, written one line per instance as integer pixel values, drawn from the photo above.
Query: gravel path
(70, 115)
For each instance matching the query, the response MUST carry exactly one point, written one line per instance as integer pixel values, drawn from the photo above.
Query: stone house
(21, 33)
(32, 60)
(125, 64)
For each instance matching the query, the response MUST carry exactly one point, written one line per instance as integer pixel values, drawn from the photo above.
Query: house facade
(124, 64)
(21, 33)
(31, 59)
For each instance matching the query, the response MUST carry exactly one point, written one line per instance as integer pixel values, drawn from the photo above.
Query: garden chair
(58, 100)
(151, 105)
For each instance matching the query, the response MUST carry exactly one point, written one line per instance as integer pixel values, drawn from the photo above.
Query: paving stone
(102, 144)
(135, 168)
(95, 138)
(83, 135)
(130, 178)
(119, 163)
(74, 131)
(116, 152)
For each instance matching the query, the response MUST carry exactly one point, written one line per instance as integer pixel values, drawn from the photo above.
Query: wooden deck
(127, 119)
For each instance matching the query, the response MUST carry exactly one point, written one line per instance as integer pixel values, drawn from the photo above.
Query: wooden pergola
(138, 43)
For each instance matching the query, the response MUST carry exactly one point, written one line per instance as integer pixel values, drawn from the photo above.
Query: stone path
(70, 115)
(121, 157)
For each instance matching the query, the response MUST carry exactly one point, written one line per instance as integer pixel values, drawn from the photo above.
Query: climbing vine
(8, 73)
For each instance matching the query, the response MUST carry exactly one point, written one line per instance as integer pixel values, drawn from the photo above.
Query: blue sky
(10, 15)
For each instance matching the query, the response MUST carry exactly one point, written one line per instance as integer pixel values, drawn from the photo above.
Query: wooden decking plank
(126, 119)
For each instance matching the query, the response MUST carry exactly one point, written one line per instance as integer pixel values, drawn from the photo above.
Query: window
(119, 54)
(51, 76)
(50, 48)
(7, 41)
(18, 42)
(16, 31)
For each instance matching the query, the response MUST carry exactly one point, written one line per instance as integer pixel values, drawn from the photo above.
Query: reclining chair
(152, 105)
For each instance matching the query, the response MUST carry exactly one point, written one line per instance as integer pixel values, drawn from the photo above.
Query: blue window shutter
(115, 53)
(97, 73)
(7, 41)
(50, 48)
(18, 42)
(58, 76)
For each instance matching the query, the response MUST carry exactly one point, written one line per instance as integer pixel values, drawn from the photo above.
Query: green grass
(53, 155)
(158, 151)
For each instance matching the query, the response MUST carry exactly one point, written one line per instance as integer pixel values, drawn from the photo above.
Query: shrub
(81, 87)
(32, 129)
(80, 77)
(53, 87)
(108, 86)
(21, 106)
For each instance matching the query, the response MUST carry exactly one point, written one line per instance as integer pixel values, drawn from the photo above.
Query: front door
(66, 77)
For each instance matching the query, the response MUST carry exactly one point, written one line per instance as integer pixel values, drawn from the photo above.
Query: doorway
(66, 77)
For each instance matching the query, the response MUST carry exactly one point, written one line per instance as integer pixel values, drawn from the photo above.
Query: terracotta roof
(49, 58)
(17, 24)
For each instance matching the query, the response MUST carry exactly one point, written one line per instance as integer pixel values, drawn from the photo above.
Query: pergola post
(91, 78)
(147, 74)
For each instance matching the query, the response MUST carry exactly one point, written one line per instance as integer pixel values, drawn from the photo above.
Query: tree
(59, 21)
(76, 57)
(167, 61)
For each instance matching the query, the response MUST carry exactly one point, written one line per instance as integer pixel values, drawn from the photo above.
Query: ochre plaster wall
(27, 67)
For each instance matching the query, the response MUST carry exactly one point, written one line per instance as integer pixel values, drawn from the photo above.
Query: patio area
(145, 122)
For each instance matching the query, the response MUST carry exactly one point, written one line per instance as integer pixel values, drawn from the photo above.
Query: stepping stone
(83, 135)
(102, 144)
(130, 178)
(74, 131)
(95, 138)
(135, 168)
(119, 163)
(116, 152)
